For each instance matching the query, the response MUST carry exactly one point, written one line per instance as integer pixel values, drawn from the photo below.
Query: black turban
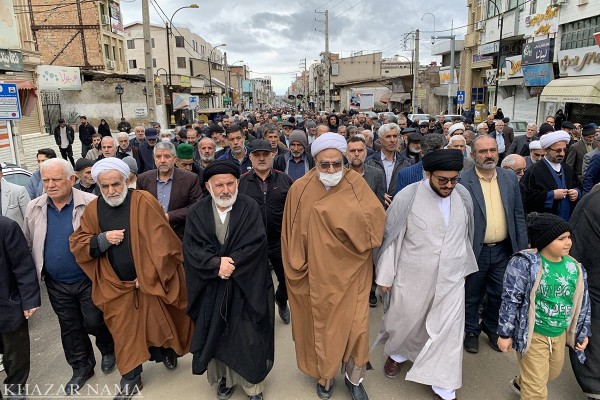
(218, 167)
(443, 160)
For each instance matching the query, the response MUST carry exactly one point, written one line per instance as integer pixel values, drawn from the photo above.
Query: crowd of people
(163, 245)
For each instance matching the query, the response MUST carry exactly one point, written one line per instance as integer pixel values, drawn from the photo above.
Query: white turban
(107, 164)
(328, 140)
(455, 127)
(535, 145)
(549, 139)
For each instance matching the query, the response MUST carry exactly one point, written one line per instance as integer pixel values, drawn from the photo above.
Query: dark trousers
(16, 357)
(67, 154)
(488, 280)
(281, 296)
(78, 317)
(84, 149)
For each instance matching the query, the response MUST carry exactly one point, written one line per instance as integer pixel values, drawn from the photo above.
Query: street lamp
(433, 16)
(501, 23)
(169, 26)
(210, 93)
(119, 91)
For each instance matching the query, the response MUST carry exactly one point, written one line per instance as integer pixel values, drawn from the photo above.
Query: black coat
(104, 130)
(70, 135)
(234, 318)
(19, 287)
(85, 134)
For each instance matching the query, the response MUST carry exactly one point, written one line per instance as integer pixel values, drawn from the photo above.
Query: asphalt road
(485, 375)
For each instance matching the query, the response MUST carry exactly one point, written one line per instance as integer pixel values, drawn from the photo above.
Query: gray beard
(115, 201)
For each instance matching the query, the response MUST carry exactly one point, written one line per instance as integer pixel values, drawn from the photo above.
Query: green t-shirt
(554, 296)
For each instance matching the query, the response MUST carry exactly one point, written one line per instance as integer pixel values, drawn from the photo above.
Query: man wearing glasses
(331, 222)
(550, 184)
(425, 317)
(499, 232)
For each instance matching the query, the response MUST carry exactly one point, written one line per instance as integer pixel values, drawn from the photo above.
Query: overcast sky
(272, 36)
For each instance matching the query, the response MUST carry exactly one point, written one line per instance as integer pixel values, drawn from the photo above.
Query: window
(179, 42)
(477, 95)
(491, 8)
(154, 63)
(202, 49)
(181, 62)
(107, 52)
(579, 33)
(533, 7)
(114, 52)
(132, 64)
(131, 44)
(152, 41)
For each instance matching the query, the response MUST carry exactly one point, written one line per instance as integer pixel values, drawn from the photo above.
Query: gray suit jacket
(14, 201)
(376, 181)
(587, 159)
(513, 208)
(576, 156)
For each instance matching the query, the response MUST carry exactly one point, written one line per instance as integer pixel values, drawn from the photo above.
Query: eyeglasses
(324, 165)
(519, 171)
(444, 181)
(558, 151)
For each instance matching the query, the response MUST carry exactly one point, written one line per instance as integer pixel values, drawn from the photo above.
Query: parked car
(520, 127)
(450, 117)
(15, 174)
(422, 117)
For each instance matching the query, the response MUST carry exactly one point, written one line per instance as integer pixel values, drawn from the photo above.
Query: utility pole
(327, 64)
(226, 78)
(452, 63)
(148, 61)
(415, 93)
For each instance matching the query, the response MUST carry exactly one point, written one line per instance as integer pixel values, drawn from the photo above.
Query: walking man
(64, 135)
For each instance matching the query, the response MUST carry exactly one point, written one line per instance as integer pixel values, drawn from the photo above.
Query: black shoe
(77, 383)
(224, 392)
(471, 343)
(357, 392)
(108, 363)
(170, 359)
(256, 397)
(129, 388)
(322, 393)
(284, 313)
(372, 300)
(493, 339)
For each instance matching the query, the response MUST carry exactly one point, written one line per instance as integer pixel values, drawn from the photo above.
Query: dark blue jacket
(409, 175)
(146, 157)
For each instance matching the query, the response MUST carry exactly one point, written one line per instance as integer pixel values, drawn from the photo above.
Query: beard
(487, 164)
(356, 163)
(224, 200)
(115, 201)
(207, 159)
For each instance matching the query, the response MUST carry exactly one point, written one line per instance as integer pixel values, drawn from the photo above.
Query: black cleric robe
(234, 318)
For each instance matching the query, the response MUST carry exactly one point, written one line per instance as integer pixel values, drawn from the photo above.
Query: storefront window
(579, 33)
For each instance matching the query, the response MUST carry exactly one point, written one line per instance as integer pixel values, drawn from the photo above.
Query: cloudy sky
(272, 36)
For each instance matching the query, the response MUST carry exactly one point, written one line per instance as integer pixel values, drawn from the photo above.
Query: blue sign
(538, 74)
(460, 97)
(193, 101)
(10, 108)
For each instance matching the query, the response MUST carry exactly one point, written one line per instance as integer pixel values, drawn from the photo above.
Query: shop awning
(511, 82)
(442, 90)
(400, 97)
(581, 89)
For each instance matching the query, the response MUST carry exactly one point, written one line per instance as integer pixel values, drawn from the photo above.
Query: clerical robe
(152, 315)
(424, 261)
(327, 240)
(234, 317)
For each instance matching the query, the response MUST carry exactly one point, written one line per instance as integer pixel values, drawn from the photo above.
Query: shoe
(372, 300)
(323, 393)
(437, 397)
(170, 359)
(493, 339)
(108, 363)
(357, 392)
(471, 343)
(284, 313)
(129, 388)
(515, 386)
(224, 392)
(391, 368)
(77, 382)
(256, 397)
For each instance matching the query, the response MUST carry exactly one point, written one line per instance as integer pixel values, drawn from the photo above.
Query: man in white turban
(331, 214)
(549, 184)
(536, 153)
(456, 129)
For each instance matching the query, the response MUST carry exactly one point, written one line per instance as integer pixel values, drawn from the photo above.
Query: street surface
(486, 374)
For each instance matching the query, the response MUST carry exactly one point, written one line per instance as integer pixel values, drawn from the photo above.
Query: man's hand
(387, 199)
(30, 312)
(583, 345)
(573, 194)
(226, 268)
(504, 344)
(115, 237)
(560, 194)
(384, 289)
(167, 215)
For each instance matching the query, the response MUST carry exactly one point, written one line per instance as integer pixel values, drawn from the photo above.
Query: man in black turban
(229, 285)
(433, 216)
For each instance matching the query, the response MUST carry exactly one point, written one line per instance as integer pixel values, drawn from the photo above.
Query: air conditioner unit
(480, 25)
(105, 19)
(110, 64)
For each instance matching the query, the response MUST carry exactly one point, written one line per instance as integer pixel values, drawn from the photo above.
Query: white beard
(223, 202)
(115, 201)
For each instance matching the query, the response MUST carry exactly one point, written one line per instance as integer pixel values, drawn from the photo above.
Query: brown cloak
(154, 315)
(327, 241)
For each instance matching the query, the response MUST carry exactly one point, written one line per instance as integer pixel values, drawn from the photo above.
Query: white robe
(426, 266)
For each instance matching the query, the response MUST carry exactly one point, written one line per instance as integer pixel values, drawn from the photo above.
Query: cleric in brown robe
(332, 221)
(134, 260)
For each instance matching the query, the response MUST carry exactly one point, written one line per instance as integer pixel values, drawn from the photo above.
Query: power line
(348, 9)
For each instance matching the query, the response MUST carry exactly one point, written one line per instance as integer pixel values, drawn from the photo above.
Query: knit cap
(299, 137)
(544, 228)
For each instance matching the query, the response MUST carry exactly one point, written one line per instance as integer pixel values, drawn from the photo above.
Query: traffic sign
(193, 101)
(10, 108)
(460, 97)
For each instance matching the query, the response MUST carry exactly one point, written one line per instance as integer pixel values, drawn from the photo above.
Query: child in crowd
(558, 313)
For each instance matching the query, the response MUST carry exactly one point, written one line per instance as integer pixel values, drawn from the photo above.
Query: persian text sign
(51, 77)
(537, 75)
(513, 67)
(542, 24)
(578, 62)
(539, 52)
